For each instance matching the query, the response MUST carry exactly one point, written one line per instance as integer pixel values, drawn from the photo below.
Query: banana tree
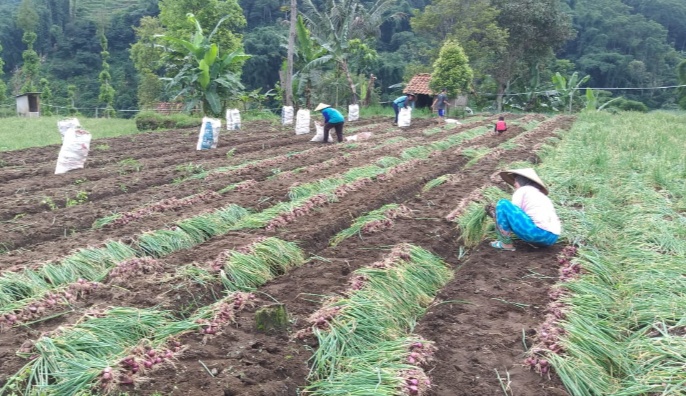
(567, 88)
(337, 23)
(204, 76)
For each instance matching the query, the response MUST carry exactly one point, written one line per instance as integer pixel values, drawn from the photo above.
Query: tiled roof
(419, 84)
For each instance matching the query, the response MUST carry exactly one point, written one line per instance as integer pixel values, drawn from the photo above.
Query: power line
(554, 91)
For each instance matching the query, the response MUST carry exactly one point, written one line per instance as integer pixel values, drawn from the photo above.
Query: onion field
(146, 272)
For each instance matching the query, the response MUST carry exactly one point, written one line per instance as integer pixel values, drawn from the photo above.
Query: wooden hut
(419, 85)
(28, 104)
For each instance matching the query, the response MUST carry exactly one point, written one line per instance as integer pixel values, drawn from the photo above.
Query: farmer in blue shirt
(332, 119)
(401, 102)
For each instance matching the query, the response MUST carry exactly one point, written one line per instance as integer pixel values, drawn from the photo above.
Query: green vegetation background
(619, 43)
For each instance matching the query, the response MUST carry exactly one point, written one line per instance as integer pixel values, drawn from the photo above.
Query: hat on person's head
(322, 106)
(509, 177)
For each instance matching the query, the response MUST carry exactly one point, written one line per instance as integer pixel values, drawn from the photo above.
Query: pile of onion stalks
(364, 337)
(373, 221)
(19, 289)
(109, 348)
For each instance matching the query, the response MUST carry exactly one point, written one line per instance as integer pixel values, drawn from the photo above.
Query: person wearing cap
(440, 102)
(530, 215)
(332, 119)
(404, 101)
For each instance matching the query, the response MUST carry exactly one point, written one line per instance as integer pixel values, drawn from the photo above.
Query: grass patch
(619, 184)
(22, 132)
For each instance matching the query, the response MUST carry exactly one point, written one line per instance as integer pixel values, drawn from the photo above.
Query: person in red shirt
(500, 125)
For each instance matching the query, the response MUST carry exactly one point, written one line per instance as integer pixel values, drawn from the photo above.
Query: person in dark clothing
(402, 102)
(332, 119)
(440, 103)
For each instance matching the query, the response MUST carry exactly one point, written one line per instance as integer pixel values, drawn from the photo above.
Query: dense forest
(107, 53)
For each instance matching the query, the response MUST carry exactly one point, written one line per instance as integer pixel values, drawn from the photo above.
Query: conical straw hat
(509, 177)
(322, 106)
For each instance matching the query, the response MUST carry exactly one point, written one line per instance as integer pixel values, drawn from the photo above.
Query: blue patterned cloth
(512, 219)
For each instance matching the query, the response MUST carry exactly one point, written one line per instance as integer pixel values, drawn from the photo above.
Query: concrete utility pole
(291, 51)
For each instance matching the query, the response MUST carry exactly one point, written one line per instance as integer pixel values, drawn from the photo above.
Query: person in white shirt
(530, 215)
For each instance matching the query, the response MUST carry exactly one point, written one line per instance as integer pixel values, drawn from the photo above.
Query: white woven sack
(302, 122)
(209, 133)
(287, 115)
(64, 125)
(319, 136)
(404, 117)
(353, 112)
(233, 119)
(74, 151)
(359, 137)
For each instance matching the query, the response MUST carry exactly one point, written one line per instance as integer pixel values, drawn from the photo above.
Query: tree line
(521, 53)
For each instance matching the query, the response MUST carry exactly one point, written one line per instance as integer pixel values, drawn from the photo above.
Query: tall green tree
(27, 20)
(336, 23)
(288, 99)
(451, 70)
(681, 93)
(3, 86)
(71, 96)
(473, 24)
(536, 29)
(45, 97)
(266, 46)
(206, 75)
(107, 92)
(147, 55)
(620, 47)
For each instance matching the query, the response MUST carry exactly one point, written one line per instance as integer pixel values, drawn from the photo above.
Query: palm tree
(340, 22)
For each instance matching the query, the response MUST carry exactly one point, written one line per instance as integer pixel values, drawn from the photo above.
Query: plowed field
(479, 322)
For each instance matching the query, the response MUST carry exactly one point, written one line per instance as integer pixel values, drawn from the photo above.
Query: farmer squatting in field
(530, 215)
(500, 125)
(332, 119)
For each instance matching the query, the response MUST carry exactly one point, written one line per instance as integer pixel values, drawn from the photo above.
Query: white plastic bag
(287, 115)
(302, 122)
(74, 151)
(359, 137)
(64, 125)
(209, 133)
(353, 112)
(404, 117)
(319, 136)
(233, 119)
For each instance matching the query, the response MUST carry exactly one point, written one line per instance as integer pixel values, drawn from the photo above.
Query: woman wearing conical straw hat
(332, 119)
(530, 215)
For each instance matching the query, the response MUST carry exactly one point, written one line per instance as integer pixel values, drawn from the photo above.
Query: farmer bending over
(332, 119)
(530, 216)
(404, 101)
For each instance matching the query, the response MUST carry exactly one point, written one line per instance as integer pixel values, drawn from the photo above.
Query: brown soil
(477, 321)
